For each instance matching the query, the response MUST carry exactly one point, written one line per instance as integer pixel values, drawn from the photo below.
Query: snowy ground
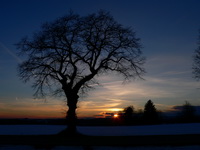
(21, 147)
(168, 129)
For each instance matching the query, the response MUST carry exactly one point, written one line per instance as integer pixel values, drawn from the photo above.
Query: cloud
(170, 87)
(173, 73)
(170, 64)
(168, 82)
(165, 85)
(13, 55)
(30, 108)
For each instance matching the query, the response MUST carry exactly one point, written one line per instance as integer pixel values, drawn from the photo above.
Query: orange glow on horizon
(116, 115)
(31, 115)
(114, 109)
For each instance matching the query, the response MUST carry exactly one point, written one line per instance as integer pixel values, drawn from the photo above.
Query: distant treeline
(150, 115)
(129, 116)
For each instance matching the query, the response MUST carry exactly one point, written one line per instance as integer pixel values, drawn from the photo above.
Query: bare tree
(68, 54)
(196, 61)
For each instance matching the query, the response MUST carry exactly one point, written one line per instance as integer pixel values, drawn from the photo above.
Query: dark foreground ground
(55, 140)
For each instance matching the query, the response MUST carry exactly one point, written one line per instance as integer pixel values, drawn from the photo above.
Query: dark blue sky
(168, 30)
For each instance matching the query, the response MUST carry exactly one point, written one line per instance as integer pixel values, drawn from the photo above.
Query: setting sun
(116, 115)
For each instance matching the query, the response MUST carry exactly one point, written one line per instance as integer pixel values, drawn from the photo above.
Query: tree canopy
(69, 53)
(73, 49)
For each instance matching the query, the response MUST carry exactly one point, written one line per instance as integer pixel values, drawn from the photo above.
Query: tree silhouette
(69, 53)
(150, 113)
(128, 114)
(196, 61)
(187, 112)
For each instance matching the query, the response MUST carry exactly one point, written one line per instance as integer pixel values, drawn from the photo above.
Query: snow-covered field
(166, 129)
(20, 147)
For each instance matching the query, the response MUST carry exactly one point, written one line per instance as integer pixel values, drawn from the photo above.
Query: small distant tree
(188, 112)
(128, 114)
(150, 113)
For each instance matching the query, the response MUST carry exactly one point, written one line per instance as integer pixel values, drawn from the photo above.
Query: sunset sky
(169, 34)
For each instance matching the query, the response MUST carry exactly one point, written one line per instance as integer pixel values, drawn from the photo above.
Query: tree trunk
(71, 114)
(71, 118)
